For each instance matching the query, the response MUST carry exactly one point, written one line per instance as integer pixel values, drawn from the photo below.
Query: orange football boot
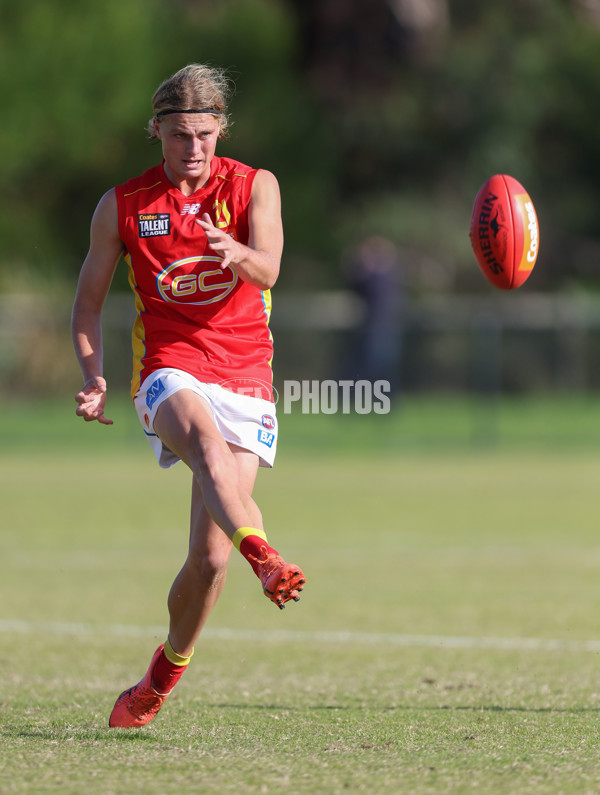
(138, 705)
(281, 581)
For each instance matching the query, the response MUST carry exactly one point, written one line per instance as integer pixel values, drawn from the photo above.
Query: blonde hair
(196, 87)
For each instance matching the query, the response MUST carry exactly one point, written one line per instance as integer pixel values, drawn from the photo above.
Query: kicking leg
(185, 425)
(200, 582)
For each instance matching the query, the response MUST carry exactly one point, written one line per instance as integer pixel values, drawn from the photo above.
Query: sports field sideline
(447, 639)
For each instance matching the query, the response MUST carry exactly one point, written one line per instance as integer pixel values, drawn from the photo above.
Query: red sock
(254, 548)
(165, 673)
(252, 543)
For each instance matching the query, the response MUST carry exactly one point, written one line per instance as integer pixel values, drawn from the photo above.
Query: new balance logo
(191, 209)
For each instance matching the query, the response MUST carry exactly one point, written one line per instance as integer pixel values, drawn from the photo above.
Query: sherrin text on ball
(504, 232)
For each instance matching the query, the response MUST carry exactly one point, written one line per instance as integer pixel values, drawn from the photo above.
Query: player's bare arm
(94, 282)
(258, 262)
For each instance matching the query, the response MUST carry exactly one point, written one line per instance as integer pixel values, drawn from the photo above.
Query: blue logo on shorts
(154, 392)
(264, 437)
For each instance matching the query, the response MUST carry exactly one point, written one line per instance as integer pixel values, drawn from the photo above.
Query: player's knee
(209, 566)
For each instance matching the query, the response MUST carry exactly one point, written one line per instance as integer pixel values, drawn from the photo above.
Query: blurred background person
(373, 270)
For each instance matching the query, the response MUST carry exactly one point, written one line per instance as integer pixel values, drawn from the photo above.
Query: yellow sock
(244, 532)
(175, 658)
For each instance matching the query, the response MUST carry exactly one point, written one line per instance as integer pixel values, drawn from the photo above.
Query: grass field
(447, 641)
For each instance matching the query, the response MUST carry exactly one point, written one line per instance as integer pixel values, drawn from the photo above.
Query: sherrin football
(504, 232)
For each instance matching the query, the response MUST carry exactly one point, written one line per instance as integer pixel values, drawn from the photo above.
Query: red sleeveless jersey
(192, 315)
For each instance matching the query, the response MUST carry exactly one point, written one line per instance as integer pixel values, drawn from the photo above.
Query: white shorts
(245, 421)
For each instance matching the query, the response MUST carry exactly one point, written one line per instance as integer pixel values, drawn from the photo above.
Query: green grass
(449, 519)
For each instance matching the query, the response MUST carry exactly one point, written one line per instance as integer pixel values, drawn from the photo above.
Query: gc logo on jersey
(188, 281)
(154, 224)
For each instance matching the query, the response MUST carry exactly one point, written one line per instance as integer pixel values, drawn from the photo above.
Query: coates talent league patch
(154, 224)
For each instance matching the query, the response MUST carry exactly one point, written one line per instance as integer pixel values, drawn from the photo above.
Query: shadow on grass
(70, 732)
(74, 732)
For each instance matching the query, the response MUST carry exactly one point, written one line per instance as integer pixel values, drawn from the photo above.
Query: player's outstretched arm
(86, 323)
(258, 262)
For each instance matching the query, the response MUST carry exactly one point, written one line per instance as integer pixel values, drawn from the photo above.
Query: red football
(504, 232)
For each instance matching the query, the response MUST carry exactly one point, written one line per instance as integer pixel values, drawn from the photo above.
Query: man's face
(188, 143)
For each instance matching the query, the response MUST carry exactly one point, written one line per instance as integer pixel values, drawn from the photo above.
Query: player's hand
(219, 241)
(92, 400)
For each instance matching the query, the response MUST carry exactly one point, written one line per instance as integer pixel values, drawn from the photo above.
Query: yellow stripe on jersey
(148, 188)
(222, 176)
(267, 306)
(267, 303)
(138, 334)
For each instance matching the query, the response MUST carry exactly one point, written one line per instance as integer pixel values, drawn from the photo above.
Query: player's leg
(192, 597)
(221, 501)
(189, 421)
(198, 585)
(185, 425)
